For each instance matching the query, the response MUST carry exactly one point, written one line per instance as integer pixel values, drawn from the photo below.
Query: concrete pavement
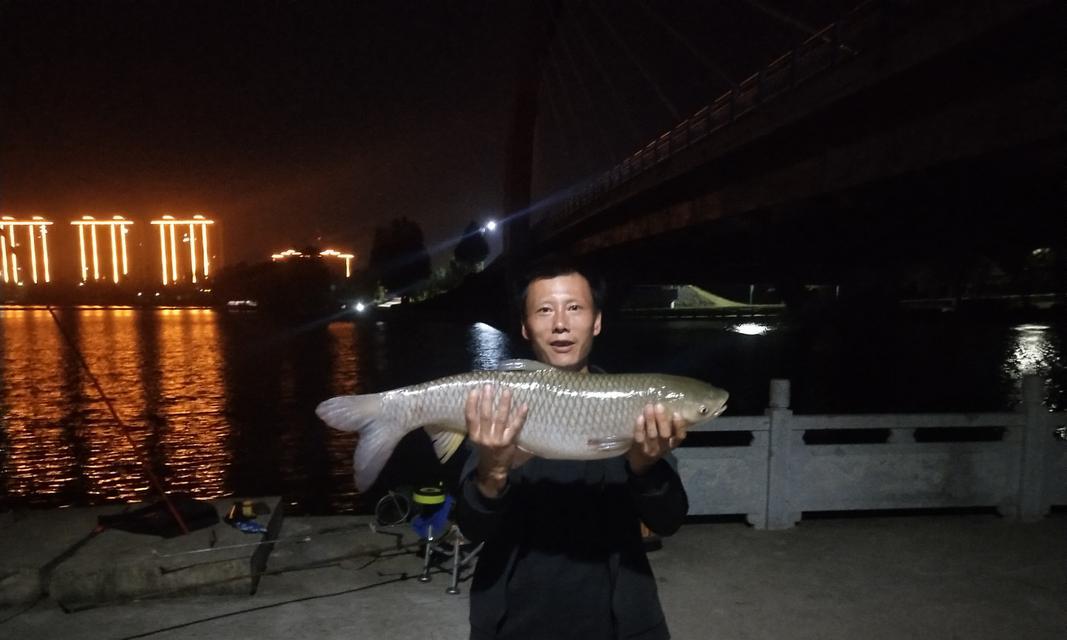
(954, 576)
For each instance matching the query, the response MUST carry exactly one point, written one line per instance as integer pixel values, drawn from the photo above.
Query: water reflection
(1034, 350)
(161, 372)
(224, 403)
(109, 341)
(190, 432)
(345, 379)
(37, 455)
(487, 346)
(751, 328)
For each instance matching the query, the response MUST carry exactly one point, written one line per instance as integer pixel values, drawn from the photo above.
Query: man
(563, 556)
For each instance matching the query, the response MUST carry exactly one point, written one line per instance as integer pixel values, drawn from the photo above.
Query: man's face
(560, 321)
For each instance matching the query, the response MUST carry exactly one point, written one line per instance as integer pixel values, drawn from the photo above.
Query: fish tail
(377, 438)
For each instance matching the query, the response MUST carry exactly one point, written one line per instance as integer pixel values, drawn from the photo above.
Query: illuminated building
(285, 255)
(36, 231)
(325, 253)
(347, 257)
(199, 262)
(117, 228)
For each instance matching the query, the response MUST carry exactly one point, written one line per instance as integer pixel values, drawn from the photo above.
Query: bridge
(905, 136)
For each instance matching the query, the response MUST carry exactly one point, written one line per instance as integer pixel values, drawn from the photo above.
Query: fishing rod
(371, 556)
(152, 478)
(298, 539)
(226, 547)
(182, 625)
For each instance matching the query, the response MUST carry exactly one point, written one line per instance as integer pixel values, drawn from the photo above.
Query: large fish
(572, 416)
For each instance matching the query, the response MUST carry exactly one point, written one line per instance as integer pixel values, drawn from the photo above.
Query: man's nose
(558, 324)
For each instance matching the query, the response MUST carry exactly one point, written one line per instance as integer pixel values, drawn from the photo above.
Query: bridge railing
(822, 51)
(1018, 465)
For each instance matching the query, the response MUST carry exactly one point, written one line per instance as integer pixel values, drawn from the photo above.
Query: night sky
(298, 123)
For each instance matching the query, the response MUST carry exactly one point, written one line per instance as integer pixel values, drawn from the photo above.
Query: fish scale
(574, 416)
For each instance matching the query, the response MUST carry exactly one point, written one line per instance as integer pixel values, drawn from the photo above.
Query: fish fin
(518, 364)
(377, 439)
(350, 413)
(611, 444)
(445, 442)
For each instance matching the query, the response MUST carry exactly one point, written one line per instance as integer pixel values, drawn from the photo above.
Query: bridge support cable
(621, 104)
(558, 130)
(604, 139)
(794, 22)
(591, 164)
(697, 54)
(660, 95)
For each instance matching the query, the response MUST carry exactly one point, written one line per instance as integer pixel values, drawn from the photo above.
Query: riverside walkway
(926, 576)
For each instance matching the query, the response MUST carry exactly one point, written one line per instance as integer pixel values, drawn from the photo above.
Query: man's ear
(596, 325)
(525, 335)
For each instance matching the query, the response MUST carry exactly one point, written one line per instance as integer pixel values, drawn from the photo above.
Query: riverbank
(945, 576)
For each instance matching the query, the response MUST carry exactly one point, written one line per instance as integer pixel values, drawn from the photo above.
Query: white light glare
(751, 329)
(1032, 352)
(360, 307)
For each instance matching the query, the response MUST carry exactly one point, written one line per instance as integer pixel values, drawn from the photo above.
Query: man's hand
(655, 434)
(494, 432)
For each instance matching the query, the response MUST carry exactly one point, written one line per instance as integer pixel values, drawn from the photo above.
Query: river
(223, 403)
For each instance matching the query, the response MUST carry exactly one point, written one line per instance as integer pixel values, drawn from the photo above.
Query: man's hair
(552, 268)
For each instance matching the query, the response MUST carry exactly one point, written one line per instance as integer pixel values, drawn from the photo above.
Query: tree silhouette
(398, 256)
(472, 248)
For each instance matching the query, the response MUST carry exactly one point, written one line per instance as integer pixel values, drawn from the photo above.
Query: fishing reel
(426, 509)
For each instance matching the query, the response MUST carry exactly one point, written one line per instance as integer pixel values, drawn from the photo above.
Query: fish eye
(703, 410)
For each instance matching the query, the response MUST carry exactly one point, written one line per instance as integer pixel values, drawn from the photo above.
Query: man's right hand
(494, 431)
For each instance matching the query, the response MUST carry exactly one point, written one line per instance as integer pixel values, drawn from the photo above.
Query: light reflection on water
(1034, 350)
(487, 345)
(38, 458)
(344, 381)
(223, 404)
(189, 424)
(161, 371)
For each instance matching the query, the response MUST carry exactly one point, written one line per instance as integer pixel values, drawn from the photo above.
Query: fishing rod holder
(427, 510)
(451, 545)
(434, 507)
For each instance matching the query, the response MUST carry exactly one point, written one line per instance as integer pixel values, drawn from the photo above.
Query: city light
(117, 228)
(36, 228)
(284, 255)
(325, 253)
(170, 260)
(347, 257)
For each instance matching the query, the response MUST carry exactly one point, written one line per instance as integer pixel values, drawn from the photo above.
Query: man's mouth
(561, 345)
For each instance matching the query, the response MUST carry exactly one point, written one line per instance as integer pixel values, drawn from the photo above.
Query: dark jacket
(570, 516)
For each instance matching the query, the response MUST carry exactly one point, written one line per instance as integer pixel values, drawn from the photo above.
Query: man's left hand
(655, 433)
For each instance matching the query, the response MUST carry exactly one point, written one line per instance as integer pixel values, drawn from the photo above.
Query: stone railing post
(780, 514)
(1035, 443)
